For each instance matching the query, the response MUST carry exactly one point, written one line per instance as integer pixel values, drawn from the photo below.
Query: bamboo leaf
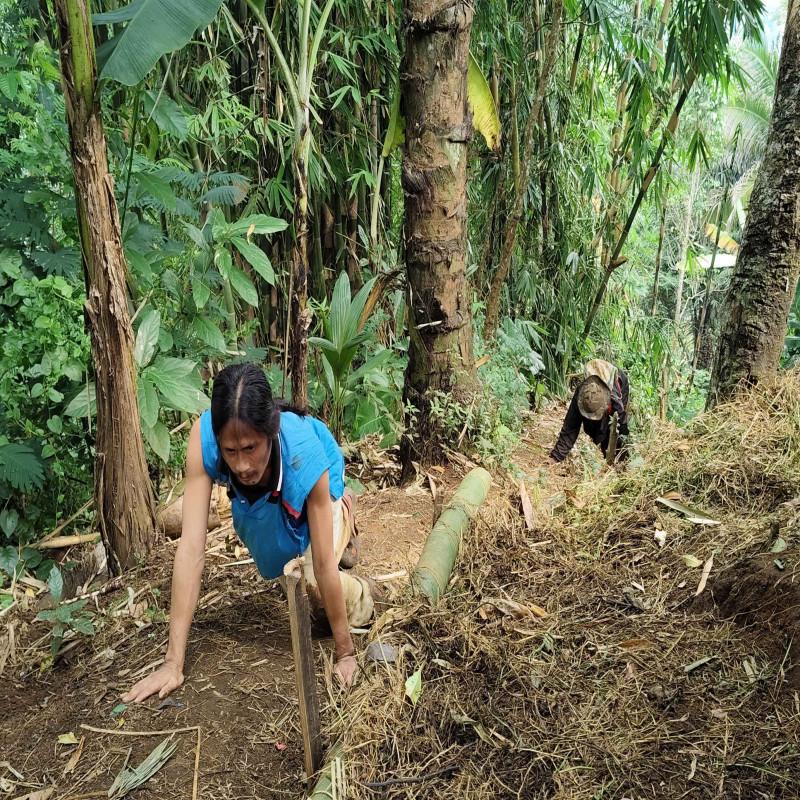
(484, 112)
(692, 514)
(129, 779)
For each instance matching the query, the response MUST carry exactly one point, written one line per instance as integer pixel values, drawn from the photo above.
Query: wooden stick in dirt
(611, 453)
(527, 508)
(304, 674)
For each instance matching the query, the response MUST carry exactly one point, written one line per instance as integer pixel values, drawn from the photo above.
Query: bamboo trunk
(660, 252)
(614, 260)
(300, 313)
(432, 573)
(513, 220)
(123, 496)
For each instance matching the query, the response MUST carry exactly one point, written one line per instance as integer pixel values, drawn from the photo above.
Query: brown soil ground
(240, 683)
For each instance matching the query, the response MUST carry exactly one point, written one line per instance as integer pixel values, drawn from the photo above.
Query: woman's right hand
(164, 680)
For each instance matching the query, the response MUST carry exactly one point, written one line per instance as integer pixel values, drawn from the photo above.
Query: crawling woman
(284, 473)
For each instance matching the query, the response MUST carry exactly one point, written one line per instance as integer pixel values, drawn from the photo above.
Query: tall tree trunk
(512, 222)
(434, 178)
(764, 281)
(123, 496)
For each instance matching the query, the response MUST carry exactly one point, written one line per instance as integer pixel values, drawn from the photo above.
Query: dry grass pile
(579, 663)
(744, 454)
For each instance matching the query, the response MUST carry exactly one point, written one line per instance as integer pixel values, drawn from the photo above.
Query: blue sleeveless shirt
(277, 532)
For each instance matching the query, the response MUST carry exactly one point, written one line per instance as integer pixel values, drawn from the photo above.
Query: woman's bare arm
(326, 571)
(186, 576)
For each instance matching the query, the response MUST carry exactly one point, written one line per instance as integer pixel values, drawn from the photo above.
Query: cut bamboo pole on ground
(432, 573)
(305, 676)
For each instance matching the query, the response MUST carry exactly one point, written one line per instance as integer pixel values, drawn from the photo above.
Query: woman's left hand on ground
(345, 668)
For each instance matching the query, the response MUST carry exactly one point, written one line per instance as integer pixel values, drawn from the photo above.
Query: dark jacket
(597, 430)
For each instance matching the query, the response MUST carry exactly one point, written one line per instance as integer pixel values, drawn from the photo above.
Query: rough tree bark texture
(433, 82)
(765, 278)
(122, 493)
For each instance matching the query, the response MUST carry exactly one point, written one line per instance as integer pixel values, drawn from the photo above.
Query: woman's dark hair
(241, 391)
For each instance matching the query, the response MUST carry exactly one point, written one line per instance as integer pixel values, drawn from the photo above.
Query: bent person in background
(284, 473)
(604, 392)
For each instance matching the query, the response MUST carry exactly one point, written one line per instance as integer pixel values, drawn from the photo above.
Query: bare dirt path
(239, 672)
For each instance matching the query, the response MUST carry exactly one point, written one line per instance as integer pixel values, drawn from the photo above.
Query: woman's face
(246, 451)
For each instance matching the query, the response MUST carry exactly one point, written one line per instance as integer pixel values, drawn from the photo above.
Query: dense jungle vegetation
(418, 217)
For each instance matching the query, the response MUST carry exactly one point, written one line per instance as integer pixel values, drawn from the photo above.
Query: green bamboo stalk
(432, 573)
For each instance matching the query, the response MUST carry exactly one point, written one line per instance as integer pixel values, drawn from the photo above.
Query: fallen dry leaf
(629, 643)
(527, 508)
(511, 608)
(704, 577)
(67, 738)
(42, 794)
(71, 764)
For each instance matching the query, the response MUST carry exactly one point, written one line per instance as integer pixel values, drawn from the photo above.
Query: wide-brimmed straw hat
(593, 398)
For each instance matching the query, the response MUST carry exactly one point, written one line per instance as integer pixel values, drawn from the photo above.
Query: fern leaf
(20, 467)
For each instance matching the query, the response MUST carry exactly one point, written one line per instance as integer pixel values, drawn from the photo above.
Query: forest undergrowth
(624, 650)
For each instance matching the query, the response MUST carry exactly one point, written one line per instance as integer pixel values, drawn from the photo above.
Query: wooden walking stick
(304, 674)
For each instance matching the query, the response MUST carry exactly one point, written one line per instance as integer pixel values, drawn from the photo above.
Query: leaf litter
(648, 697)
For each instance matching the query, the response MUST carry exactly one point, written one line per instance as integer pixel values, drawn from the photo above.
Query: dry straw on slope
(629, 687)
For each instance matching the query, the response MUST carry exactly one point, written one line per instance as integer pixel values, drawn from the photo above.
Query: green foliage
(343, 324)
(66, 617)
(154, 28)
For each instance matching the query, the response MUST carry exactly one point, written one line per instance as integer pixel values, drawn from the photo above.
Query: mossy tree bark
(433, 82)
(122, 493)
(764, 282)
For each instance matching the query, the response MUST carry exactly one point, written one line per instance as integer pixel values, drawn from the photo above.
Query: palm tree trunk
(764, 281)
(123, 496)
(512, 222)
(434, 176)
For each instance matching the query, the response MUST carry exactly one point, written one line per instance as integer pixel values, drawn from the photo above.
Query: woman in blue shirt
(284, 473)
